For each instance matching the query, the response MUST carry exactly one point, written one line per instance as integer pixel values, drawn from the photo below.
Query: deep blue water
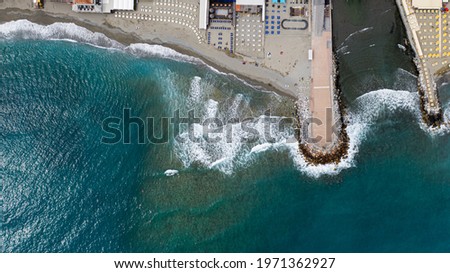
(65, 191)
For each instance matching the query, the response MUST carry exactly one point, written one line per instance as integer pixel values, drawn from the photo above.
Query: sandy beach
(136, 31)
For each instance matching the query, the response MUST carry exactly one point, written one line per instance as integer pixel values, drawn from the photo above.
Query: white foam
(369, 108)
(230, 153)
(170, 172)
(261, 148)
(402, 47)
(358, 32)
(238, 103)
(222, 161)
(400, 74)
(24, 29)
(356, 134)
(445, 126)
(375, 103)
(65, 40)
(353, 34)
(227, 155)
(147, 50)
(446, 111)
(212, 107)
(231, 150)
(195, 92)
(70, 32)
(343, 48)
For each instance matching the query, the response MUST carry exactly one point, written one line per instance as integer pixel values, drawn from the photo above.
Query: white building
(203, 16)
(109, 5)
(427, 4)
(254, 3)
(104, 6)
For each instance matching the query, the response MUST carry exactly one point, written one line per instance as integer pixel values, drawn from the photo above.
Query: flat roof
(84, 1)
(203, 15)
(254, 3)
(427, 4)
(250, 2)
(109, 5)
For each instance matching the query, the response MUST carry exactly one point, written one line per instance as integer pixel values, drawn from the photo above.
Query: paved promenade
(322, 85)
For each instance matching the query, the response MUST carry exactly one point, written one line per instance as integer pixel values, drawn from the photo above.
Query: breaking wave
(231, 152)
(24, 29)
(70, 32)
(368, 109)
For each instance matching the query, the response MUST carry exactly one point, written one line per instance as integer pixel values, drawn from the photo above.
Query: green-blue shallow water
(65, 191)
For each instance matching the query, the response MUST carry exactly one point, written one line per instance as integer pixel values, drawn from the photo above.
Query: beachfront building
(427, 4)
(252, 6)
(223, 19)
(111, 5)
(102, 6)
(220, 27)
(227, 10)
(203, 14)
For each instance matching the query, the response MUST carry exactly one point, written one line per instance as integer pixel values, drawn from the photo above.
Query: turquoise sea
(65, 191)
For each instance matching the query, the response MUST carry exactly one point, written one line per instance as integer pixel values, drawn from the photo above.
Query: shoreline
(117, 34)
(127, 36)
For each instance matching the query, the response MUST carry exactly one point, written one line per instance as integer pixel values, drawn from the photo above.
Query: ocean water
(65, 191)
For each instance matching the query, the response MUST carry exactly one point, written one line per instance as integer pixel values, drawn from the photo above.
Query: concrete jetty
(429, 34)
(323, 138)
(322, 82)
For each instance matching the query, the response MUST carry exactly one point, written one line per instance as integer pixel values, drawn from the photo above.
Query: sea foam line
(70, 32)
(353, 34)
(24, 29)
